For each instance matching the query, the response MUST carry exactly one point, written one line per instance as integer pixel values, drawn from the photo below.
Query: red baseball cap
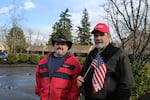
(101, 27)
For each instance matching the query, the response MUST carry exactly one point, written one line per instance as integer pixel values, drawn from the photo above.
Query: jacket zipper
(49, 90)
(48, 93)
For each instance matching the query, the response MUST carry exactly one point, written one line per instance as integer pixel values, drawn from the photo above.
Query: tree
(16, 15)
(15, 37)
(63, 26)
(130, 20)
(3, 31)
(16, 40)
(30, 31)
(84, 34)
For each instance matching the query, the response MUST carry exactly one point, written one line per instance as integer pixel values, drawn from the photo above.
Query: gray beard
(59, 53)
(100, 45)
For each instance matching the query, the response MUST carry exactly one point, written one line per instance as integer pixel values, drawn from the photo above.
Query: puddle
(17, 83)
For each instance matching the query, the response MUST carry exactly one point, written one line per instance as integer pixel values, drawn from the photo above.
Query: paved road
(17, 83)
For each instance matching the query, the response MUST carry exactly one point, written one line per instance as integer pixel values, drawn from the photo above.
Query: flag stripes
(99, 73)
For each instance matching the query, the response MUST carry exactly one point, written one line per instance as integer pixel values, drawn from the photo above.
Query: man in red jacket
(57, 72)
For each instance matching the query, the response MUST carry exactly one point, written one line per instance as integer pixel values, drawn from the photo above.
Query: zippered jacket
(62, 85)
(119, 78)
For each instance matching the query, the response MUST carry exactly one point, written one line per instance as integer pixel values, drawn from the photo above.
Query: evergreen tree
(63, 26)
(84, 34)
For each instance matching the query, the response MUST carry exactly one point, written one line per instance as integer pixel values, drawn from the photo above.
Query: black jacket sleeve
(125, 77)
(123, 94)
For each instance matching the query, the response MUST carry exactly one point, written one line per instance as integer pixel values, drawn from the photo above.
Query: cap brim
(95, 31)
(69, 43)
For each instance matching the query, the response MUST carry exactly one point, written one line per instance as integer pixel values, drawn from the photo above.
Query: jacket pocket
(44, 93)
(63, 93)
(110, 84)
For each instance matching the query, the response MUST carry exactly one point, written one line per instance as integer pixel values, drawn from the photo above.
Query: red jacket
(62, 85)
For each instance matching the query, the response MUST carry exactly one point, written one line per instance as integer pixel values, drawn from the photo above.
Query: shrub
(13, 58)
(141, 81)
(23, 57)
(81, 59)
(34, 58)
(41, 56)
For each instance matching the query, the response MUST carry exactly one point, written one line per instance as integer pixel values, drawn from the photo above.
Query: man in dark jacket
(106, 74)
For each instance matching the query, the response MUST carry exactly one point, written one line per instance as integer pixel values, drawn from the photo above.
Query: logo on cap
(101, 27)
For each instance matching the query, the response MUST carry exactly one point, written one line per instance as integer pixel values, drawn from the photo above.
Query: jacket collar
(110, 49)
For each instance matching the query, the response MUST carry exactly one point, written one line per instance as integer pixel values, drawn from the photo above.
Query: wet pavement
(17, 83)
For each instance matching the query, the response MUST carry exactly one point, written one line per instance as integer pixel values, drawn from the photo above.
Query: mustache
(59, 48)
(99, 41)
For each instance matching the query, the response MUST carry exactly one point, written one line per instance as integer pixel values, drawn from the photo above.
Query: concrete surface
(17, 83)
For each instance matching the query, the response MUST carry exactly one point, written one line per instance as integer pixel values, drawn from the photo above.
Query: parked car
(3, 56)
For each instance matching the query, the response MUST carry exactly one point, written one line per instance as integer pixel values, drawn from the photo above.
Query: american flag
(99, 73)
